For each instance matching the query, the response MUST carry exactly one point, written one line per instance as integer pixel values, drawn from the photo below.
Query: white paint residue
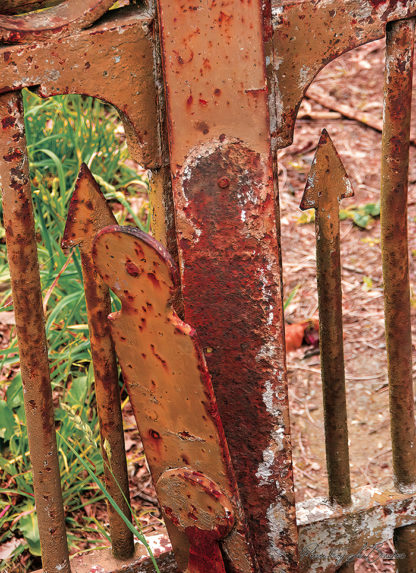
(265, 471)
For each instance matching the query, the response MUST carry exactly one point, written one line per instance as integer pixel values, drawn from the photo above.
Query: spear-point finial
(88, 211)
(327, 177)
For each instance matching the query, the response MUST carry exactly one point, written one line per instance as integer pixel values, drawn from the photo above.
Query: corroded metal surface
(22, 6)
(166, 377)
(112, 61)
(327, 184)
(337, 26)
(89, 213)
(197, 506)
(103, 560)
(394, 184)
(62, 19)
(222, 178)
(30, 328)
(330, 534)
(404, 539)
(394, 248)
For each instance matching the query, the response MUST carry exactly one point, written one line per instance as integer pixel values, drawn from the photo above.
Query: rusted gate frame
(359, 21)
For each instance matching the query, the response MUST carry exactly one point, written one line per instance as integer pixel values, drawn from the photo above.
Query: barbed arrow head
(327, 177)
(88, 211)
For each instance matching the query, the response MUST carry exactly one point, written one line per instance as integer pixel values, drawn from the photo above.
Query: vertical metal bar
(27, 301)
(89, 213)
(394, 185)
(222, 178)
(327, 184)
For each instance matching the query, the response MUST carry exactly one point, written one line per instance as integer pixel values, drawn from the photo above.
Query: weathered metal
(54, 21)
(30, 328)
(394, 244)
(168, 384)
(112, 61)
(222, 178)
(198, 507)
(103, 560)
(299, 55)
(327, 184)
(394, 248)
(89, 213)
(22, 6)
(331, 534)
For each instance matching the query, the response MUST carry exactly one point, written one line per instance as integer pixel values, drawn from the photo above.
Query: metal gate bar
(88, 213)
(394, 185)
(30, 328)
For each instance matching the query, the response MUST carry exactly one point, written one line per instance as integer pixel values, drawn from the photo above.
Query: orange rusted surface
(166, 376)
(222, 176)
(197, 506)
(22, 6)
(299, 54)
(30, 328)
(88, 214)
(327, 184)
(66, 17)
(112, 61)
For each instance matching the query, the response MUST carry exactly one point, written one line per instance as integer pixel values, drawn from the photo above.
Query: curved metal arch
(60, 20)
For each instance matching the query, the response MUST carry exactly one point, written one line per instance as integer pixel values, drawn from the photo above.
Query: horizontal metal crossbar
(331, 533)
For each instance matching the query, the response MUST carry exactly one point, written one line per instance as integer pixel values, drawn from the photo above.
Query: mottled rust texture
(88, 214)
(60, 20)
(394, 183)
(22, 6)
(27, 302)
(166, 377)
(330, 534)
(218, 123)
(112, 61)
(299, 54)
(327, 184)
(197, 506)
(394, 247)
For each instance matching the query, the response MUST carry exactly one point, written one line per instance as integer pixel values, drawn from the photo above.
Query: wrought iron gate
(208, 92)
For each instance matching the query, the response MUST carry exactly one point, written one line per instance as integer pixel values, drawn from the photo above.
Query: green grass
(62, 132)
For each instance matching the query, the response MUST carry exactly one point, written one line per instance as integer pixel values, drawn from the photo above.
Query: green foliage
(62, 132)
(361, 215)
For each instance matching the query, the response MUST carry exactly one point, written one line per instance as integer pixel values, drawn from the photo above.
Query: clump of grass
(62, 132)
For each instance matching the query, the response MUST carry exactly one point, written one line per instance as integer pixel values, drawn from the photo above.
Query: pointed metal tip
(88, 210)
(326, 176)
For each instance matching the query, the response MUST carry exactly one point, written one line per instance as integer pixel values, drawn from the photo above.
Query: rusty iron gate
(209, 92)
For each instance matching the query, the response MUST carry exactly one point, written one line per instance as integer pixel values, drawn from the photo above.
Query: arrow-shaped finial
(327, 177)
(88, 211)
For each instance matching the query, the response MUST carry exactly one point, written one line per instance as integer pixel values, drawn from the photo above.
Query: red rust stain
(8, 121)
(153, 280)
(132, 269)
(13, 156)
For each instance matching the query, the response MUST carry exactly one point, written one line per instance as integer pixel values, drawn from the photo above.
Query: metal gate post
(222, 176)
